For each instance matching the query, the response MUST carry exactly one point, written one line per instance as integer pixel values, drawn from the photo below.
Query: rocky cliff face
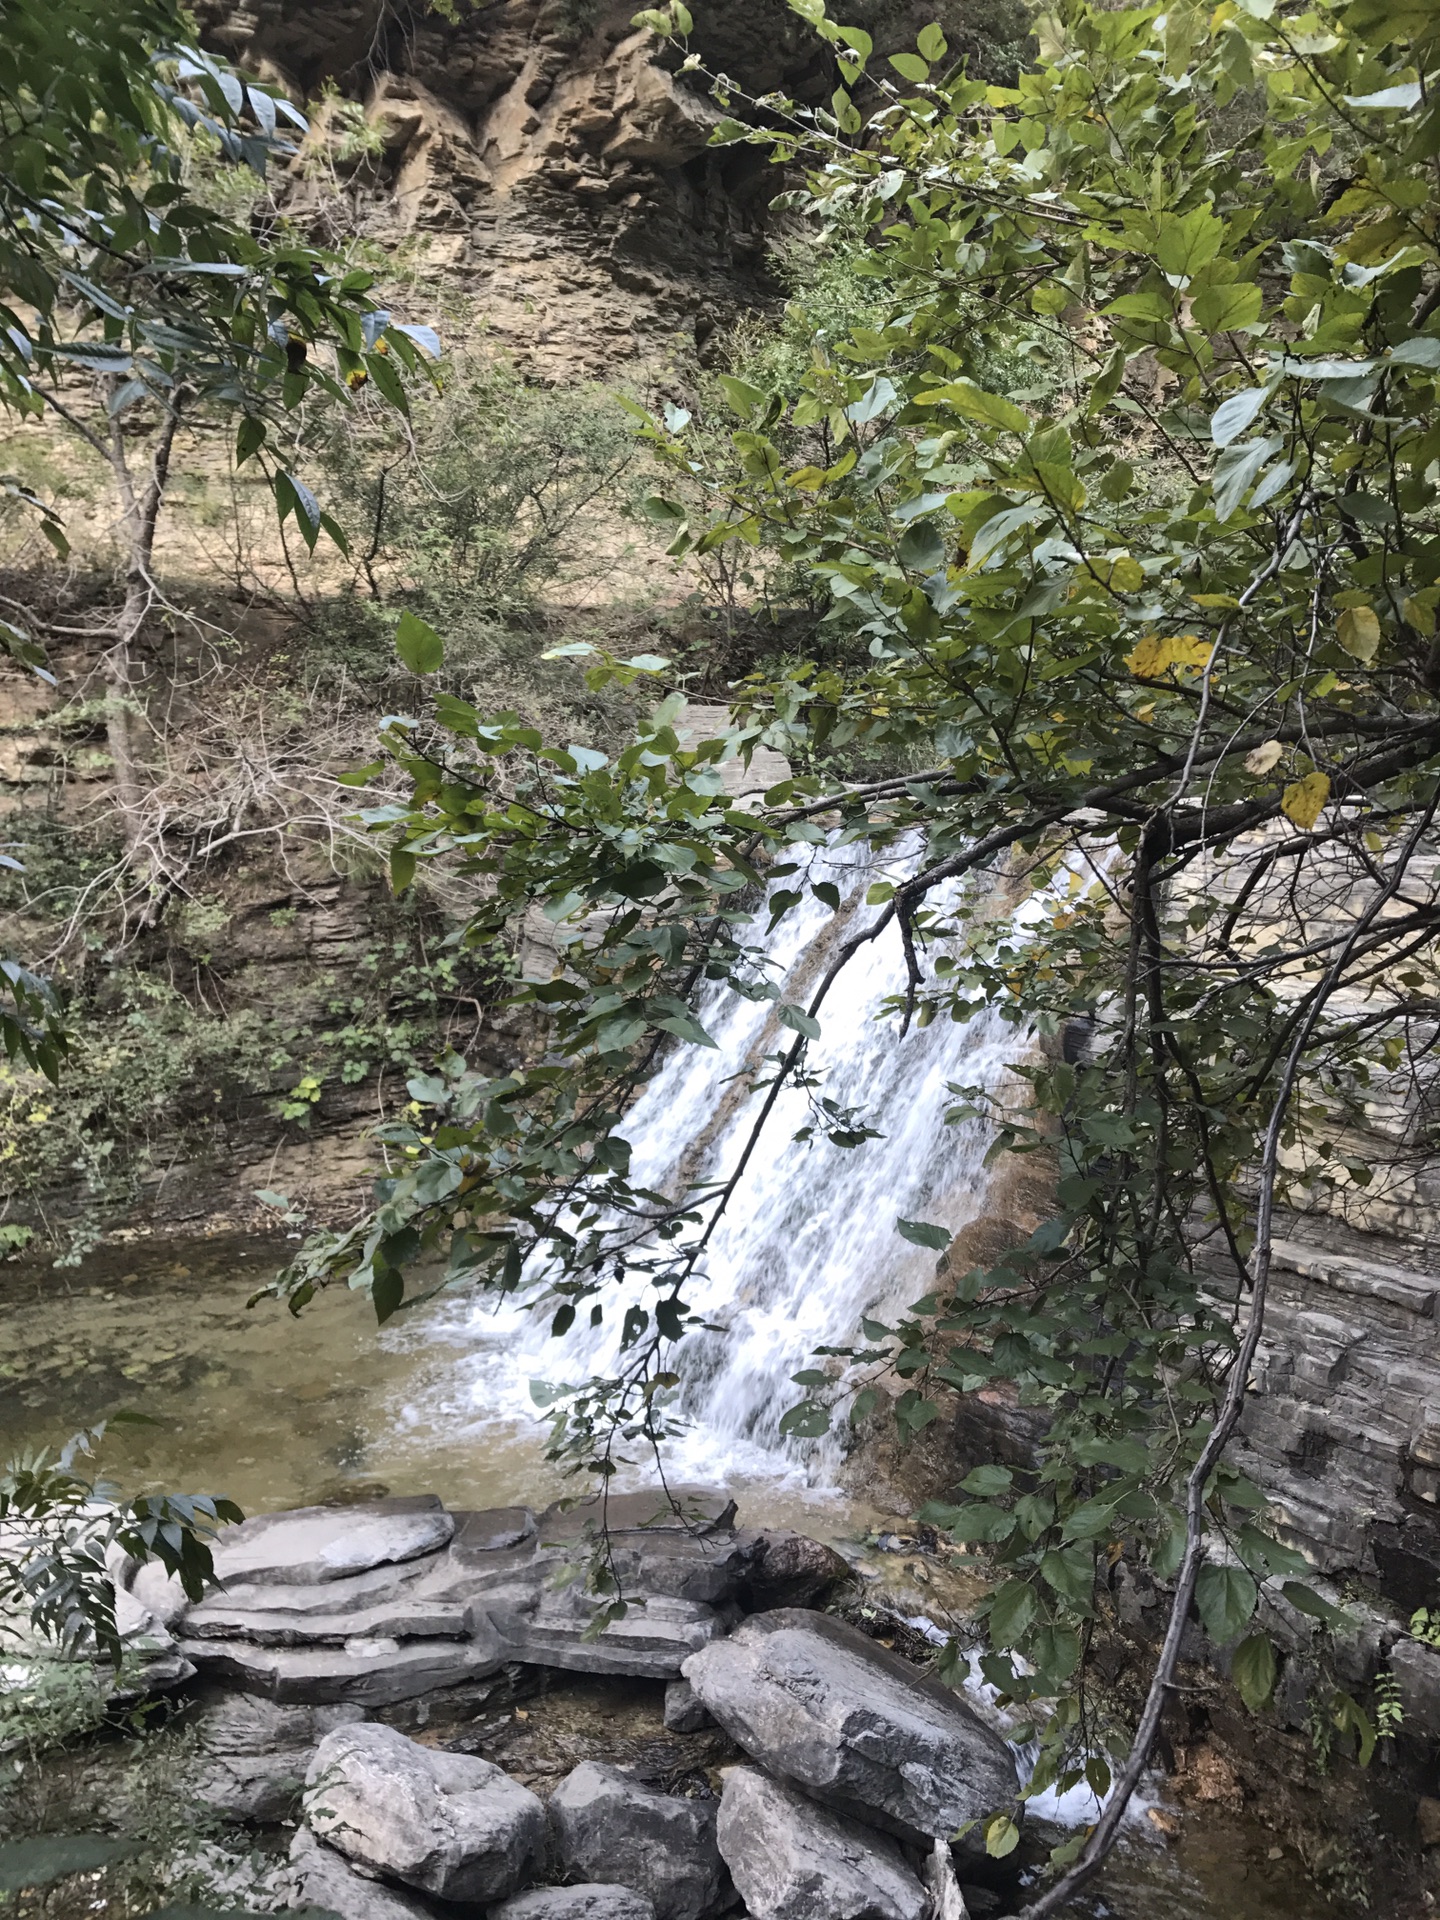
(552, 164)
(543, 157)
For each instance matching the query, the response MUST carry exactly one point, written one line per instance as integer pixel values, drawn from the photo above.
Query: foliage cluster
(1199, 722)
(154, 1061)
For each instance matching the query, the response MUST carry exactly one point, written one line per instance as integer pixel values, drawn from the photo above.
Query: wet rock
(595, 1902)
(603, 1822)
(308, 1546)
(320, 1878)
(791, 1570)
(256, 1755)
(853, 1725)
(701, 1510)
(684, 1713)
(495, 1530)
(1427, 1821)
(443, 1822)
(793, 1860)
(303, 1618)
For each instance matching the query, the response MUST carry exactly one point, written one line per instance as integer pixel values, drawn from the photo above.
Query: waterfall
(809, 1243)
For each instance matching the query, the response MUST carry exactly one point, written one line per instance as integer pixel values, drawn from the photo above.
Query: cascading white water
(809, 1243)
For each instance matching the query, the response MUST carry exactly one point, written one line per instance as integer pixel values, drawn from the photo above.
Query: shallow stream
(277, 1412)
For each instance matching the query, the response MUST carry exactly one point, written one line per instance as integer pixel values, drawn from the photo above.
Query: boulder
(256, 1755)
(603, 1822)
(308, 1546)
(443, 1822)
(790, 1570)
(320, 1878)
(594, 1902)
(683, 1712)
(792, 1860)
(853, 1724)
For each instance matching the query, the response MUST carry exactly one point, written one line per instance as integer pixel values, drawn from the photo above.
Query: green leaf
(1071, 1573)
(743, 398)
(922, 1234)
(1002, 1836)
(921, 547)
(1188, 241)
(418, 644)
(1233, 416)
(987, 1481)
(1305, 1600)
(932, 43)
(1011, 1611)
(910, 67)
(1225, 1598)
(975, 404)
(249, 438)
(798, 1021)
(1252, 1668)
(1218, 309)
(806, 1422)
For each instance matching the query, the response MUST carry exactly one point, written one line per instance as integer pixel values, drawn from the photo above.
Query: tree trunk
(140, 512)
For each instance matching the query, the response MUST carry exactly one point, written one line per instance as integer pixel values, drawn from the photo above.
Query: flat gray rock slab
(651, 1642)
(308, 1546)
(793, 1860)
(575, 1903)
(320, 1877)
(853, 1725)
(701, 1510)
(604, 1823)
(492, 1530)
(367, 1673)
(442, 1822)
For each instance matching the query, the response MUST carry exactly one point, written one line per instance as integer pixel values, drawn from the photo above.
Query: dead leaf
(1263, 757)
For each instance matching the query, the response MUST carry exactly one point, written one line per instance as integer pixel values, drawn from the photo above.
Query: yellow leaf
(1121, 572)
(1190, 651)
(1303, 799)
(1263, 757)
(1359, 633)
(1156, 655)
(1150, 658)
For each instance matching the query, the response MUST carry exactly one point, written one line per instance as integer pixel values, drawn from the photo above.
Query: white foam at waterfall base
(808, 1245)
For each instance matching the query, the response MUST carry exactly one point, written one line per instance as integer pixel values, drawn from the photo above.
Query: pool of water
(275, 1412)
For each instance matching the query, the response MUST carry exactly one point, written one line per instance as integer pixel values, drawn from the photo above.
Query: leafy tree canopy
(1155, 635)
